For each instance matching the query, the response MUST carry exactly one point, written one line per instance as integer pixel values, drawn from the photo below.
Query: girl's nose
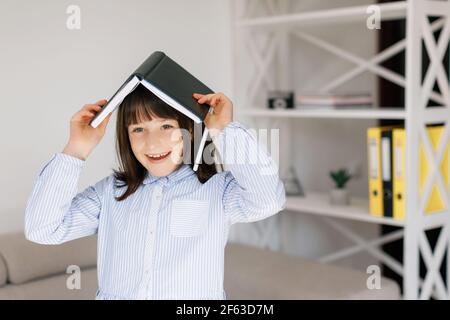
(155, 141)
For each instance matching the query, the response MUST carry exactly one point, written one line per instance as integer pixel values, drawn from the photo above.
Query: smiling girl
(162, 227)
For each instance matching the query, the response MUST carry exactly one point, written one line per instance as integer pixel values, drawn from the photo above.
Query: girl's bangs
(138, 113)
(142, 105)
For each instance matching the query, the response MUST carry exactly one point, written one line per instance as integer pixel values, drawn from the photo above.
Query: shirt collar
(182, 172)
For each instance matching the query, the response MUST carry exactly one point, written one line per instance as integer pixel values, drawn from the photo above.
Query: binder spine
(386, 165)
(398, 156)
(375, 183)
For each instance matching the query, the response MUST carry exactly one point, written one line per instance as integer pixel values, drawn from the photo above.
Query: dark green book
(168, 81)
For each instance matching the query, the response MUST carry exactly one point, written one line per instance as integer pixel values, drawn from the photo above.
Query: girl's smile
(156, 158)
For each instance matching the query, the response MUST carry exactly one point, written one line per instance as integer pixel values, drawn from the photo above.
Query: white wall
(48, 72)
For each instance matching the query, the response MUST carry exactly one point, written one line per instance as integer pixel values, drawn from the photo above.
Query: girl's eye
(137, 129)
(167, 126)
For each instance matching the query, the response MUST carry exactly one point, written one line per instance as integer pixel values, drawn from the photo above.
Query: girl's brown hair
(138, 106)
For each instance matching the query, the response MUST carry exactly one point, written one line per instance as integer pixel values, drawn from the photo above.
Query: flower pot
(339, 197)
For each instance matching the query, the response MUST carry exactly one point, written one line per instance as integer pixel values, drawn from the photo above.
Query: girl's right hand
(84, 138)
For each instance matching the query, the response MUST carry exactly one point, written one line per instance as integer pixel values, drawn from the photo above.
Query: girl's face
(157, 144)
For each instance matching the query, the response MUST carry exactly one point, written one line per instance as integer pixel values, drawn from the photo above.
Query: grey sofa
(33, 271)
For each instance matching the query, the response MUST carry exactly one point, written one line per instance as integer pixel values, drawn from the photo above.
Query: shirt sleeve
(252, 188)
(55, 213)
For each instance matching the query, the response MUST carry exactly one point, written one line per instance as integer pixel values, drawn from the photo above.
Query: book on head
(172, 84)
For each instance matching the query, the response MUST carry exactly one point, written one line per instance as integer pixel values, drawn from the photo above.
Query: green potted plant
(339, 195)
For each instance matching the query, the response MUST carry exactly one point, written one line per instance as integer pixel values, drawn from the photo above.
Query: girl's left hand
(222, 110)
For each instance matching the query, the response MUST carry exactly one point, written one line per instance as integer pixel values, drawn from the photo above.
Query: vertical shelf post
(412, 97)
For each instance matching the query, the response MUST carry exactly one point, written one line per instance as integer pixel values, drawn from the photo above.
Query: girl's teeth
(158, 155)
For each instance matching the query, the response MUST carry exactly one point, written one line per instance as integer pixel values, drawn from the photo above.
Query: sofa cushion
(27, 261)
(3, 272)
(53, 288)
(253, 273)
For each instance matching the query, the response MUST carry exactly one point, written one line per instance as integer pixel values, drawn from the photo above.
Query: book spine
(149, 65)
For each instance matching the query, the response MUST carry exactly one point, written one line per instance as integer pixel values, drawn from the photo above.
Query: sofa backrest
(3, 273)
(22, 260)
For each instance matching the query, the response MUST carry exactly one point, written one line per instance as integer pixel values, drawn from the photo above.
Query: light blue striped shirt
(166, 240)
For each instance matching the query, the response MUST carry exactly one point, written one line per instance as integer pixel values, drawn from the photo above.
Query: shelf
(388, 11)
(280, 29)
(385, 113)
(318, 204)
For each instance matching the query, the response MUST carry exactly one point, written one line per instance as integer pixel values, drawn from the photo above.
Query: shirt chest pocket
(189, 218)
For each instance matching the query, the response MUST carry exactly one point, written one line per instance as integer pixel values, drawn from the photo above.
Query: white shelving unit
(336, 114)
(280, 27)
(317, 203)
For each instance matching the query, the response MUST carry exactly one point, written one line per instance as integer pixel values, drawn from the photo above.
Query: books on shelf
(327, 101)
(387, 171)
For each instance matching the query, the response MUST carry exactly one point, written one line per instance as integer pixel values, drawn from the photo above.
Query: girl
(162, 227)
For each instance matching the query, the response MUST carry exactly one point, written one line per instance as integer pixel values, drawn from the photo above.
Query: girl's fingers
(206, 99)
(89, 110)
(215, 100)
(85, 113)
(92, 108)
(202, 99)
(212, 99)
(98, 105)
(101, 102)
(89, 114)
(199, 95)
(88, 107)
